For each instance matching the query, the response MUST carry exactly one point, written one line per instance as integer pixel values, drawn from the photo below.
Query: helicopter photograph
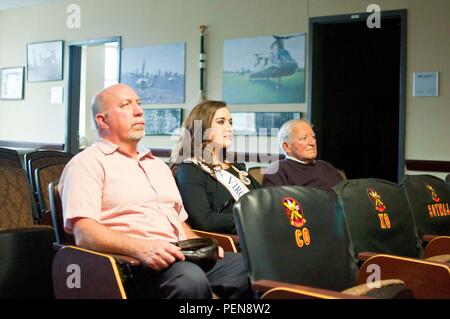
(155, 72)
(264, 69)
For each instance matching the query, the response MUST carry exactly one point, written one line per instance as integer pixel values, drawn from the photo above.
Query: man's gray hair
(96, 107)
(284, 135)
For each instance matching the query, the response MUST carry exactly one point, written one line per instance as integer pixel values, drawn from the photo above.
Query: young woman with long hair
(209, 179)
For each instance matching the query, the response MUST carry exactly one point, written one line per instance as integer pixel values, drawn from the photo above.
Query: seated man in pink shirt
(120, 199)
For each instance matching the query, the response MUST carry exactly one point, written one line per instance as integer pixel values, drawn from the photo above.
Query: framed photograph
(12, 83)
(264, 70)
(45, 61)
(261, 123)
(162, 121)
(156, 72)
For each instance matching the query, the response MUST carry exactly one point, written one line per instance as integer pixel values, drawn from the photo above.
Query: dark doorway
(357, 87)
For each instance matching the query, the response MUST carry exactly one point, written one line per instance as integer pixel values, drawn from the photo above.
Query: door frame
(344, 18)
(73, 94)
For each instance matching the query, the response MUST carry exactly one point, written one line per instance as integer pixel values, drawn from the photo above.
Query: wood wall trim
(429, 166)
(161, 152)
(411, 165)
(31, 145)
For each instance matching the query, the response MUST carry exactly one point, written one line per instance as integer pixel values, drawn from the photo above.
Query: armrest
(281, 290)
(84, 274)
(46, 218)
(428, 238)
(364, 255)
(226, 241)
(122, 259)
(57, 246)
(425, 279)
(439, 245)
(30, 229)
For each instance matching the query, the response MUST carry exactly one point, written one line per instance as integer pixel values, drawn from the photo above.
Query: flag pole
(202, 64)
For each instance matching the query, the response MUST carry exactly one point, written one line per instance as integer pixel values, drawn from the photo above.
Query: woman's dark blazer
(207, 202)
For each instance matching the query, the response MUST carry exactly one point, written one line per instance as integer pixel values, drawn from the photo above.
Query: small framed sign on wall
(426, 84)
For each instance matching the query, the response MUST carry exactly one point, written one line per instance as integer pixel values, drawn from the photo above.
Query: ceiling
(16, 4)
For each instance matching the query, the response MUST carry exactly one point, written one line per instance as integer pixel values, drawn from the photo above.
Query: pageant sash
(233, 184)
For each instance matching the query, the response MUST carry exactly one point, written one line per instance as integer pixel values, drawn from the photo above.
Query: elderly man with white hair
(300, 167)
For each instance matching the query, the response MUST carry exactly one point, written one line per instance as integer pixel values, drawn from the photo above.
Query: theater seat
(295, 244)
(429, 200)
(105, 276)
(25, 249)
(85, 274)
(43, 176)
(36, 160)
(379, 217)
(62, 238)
(9, 158)
(256, 173)
(342, 173)
(25, 263)
(380, 222)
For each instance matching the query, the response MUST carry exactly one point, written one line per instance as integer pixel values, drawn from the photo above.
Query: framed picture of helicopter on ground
(264, 70)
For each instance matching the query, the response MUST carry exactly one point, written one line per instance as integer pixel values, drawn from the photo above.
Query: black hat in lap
(201, 251)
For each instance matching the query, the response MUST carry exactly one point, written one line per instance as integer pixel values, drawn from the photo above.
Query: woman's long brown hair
(203, 112)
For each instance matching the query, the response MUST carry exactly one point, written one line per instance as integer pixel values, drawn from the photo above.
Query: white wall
(152, 22)
(95, 71)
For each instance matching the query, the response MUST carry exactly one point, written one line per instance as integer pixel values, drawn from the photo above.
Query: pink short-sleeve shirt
(135, 196)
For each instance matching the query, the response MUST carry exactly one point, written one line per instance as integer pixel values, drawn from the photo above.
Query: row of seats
(326, 234)
(26, 235)
(42, 167)
(26, 249)
(300, 242)
(293, 236)
(36, 253)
